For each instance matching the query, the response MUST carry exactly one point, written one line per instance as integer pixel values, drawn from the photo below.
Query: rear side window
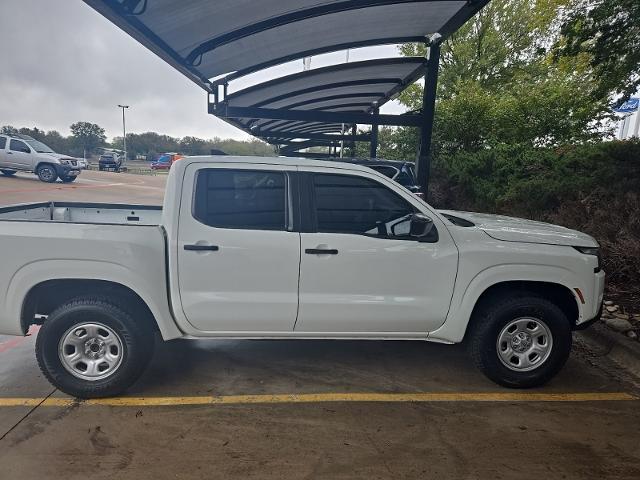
(390, 172)
(3, 142)
(18, 146)
(406, 178)
(357, 205)
(242, 199)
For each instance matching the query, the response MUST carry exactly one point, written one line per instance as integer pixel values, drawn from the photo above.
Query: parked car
(289, 248)
(165, 161)
(22, 153)
(402, 172)
(110, 161)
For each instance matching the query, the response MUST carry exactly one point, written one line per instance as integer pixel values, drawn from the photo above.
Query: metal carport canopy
(213, 42)
(206, 39)
(357, 87)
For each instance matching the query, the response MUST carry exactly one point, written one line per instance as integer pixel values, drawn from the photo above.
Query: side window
(243, 199)
(390, 172)
(357, 205)
(18, 146)
(3, 142)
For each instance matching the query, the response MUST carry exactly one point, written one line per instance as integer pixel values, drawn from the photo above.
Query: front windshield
(39, 146)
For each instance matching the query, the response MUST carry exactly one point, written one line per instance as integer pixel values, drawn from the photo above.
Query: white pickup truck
(288, 248)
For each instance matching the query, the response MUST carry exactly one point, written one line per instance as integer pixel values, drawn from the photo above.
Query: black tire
(8, 173)
(68, 179)
(494, 316)
(100, 168)
(47, 173)
(137, 347)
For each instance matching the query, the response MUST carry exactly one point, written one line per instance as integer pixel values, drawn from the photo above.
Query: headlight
(595, 251)
(65, 162)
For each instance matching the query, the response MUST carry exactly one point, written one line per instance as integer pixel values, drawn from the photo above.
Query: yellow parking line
(322, 398)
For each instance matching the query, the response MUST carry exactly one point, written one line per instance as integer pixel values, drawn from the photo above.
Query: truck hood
(57, 156)
(511, 229)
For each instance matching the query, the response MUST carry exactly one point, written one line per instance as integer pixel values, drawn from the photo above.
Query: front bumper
(592, 311)
(588, 323)
(68, 170)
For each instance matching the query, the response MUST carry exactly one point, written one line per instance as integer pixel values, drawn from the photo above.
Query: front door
(19, 155)
(238, 253)
(360, 270)
(4, 160)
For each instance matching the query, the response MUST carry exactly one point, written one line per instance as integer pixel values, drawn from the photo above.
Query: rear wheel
(8, 173)
(520, 342)
(91, 348)
(47, 173)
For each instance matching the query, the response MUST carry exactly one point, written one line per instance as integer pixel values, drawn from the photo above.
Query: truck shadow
(235, 367)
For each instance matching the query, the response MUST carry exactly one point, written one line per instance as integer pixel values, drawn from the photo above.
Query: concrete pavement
(307, 409)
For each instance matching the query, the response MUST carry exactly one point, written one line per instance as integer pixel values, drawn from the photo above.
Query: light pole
(124, 131)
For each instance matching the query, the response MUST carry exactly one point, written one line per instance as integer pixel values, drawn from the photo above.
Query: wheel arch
(39, 163)
(46, 296)
(557, 293)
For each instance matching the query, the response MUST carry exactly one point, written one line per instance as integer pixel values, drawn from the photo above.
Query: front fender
(466, 296)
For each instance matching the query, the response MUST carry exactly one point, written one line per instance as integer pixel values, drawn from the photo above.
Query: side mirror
(421, 225)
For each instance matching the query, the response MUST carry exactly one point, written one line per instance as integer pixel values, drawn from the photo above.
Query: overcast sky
(63, 62)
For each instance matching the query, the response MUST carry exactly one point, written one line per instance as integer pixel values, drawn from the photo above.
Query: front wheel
(91, 348)
(520, 342)
(47, 173)
(8, 173)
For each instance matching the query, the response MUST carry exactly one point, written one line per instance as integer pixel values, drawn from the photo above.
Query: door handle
(201, 248)
(321, 251)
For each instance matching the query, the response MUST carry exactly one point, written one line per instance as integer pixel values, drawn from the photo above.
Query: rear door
(238, 253)
(360, 270)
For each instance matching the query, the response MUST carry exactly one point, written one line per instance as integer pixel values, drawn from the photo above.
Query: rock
(619, 324)
(633, 335)
(608, 303)
(636, 316)
(612, 308)
(623, 316)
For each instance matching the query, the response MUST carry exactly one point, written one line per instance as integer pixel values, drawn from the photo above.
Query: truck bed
(92, 213)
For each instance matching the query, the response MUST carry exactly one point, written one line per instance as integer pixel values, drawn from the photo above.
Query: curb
(615, 346)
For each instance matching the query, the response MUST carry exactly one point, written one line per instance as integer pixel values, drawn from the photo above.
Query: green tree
(608, 32)
(8, 129)
(498, 83)
(88, 136)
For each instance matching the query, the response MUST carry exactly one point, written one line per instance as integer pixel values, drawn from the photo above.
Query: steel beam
(275, 134)
(223, 110)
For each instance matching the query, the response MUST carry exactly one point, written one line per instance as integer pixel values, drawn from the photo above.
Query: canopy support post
(423, 162)
(373, 152)
(354, 132)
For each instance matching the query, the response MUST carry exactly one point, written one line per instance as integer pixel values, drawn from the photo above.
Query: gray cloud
(63, 62)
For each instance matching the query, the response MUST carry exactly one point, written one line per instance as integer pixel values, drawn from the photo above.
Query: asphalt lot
(314, 409)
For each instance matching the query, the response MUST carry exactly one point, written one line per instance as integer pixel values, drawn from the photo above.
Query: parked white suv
(24, 153)
(288, 248)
